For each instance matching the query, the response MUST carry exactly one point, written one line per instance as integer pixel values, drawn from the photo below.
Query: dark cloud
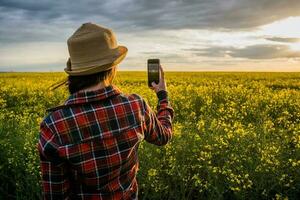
(283, 40)
(41, 20)
(27, 5)
(261, 51)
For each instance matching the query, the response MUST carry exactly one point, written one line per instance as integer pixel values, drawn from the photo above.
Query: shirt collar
(91, 96)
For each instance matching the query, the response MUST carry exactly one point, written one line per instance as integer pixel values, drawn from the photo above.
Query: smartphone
(153, 71)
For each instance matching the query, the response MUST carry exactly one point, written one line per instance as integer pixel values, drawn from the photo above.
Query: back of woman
(88, 146)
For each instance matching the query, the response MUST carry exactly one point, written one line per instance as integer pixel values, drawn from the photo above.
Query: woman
(88, 146)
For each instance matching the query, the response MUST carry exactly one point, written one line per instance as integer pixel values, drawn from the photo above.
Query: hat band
(86, 65)
(91, 63)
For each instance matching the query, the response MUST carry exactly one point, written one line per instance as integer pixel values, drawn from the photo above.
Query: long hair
(77, 83)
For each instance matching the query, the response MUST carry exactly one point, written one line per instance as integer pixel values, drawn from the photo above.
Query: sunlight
(289, 27)
(295, 46)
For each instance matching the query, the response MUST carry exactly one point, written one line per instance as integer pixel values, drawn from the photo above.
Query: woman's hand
(162, 84)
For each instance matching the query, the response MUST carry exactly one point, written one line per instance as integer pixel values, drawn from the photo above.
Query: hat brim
(97, 68)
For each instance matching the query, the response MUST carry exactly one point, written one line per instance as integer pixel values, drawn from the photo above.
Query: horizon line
(198, 71)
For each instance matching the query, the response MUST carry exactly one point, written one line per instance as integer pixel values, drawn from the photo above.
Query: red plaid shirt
(88, 146)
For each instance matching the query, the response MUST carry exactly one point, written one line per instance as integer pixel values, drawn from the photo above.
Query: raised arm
(158, 126)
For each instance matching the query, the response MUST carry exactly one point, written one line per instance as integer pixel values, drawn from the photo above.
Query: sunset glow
(289, 27)
(233, 36)
(295, 46)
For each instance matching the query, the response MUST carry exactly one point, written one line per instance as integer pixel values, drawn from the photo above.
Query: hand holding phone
(156, 80)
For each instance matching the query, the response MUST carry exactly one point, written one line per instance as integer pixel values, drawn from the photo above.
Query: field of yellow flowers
(236, 135)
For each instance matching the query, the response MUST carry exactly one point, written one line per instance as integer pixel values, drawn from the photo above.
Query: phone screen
(153, 71)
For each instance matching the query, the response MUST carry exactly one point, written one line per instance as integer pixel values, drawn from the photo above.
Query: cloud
(50, 20)
(156, 28)
(283, 40)
(261, 51)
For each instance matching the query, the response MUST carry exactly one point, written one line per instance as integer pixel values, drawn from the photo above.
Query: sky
(186, 35)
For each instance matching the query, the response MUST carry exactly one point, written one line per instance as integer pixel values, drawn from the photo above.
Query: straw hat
(93, 49)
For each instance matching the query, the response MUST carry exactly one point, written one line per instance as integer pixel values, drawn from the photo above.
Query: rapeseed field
(236, 135)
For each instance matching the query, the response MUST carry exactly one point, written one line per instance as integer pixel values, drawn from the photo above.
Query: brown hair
(77, 83)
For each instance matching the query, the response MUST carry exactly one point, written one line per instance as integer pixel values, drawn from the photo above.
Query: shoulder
(50, 119)
(46, 121)
(130, 97)
(134, 99)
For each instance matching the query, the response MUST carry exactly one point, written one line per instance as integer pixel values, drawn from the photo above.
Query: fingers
(154, 85)
(162, 73)
(161, 85)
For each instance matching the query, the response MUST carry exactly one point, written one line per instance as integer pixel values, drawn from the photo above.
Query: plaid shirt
(88, 146)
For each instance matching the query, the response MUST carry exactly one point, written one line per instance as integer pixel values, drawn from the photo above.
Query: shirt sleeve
(158, 126)
(55, 182)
